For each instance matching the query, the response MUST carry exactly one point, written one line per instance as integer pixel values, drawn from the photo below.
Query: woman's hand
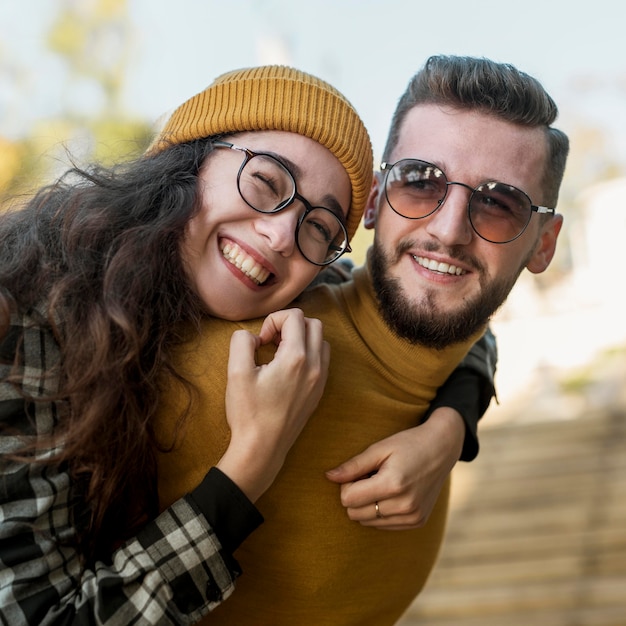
(394, 484)
(268, 405)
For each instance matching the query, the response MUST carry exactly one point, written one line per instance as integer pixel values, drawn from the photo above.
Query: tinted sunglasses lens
(499, 212)
(415, 188)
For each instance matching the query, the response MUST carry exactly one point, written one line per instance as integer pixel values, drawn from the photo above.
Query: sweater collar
(397, 355)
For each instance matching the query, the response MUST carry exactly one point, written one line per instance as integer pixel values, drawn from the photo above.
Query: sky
(367, 48)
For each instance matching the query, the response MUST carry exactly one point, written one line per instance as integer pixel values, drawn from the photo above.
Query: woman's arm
(173, 572)
(179, 566)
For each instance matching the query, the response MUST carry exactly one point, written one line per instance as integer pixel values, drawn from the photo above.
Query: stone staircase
(537, 530)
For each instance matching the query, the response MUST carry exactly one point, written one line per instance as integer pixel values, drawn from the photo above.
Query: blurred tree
(93, 38)
(10, 157)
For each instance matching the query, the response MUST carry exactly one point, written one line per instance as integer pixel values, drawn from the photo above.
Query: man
(463, 203)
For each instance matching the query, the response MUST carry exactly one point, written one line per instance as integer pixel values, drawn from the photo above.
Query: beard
(419, 319)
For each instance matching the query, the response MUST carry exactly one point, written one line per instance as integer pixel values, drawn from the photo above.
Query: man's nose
(450, 222)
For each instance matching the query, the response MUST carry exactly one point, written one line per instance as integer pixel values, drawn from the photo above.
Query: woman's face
(245, 264)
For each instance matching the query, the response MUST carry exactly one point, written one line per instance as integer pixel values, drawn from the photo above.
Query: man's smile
(437, 266)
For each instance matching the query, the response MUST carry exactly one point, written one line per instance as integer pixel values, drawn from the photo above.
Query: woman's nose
(279, 229)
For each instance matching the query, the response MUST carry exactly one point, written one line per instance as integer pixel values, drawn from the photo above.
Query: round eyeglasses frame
(388, 167)
(308, 207)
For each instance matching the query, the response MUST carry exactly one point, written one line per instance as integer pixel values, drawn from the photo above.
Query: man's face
(437, 280)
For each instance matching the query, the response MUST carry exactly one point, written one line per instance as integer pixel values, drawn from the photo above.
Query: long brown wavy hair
(101, 249)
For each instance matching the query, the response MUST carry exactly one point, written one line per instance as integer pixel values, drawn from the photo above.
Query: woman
(99, 274)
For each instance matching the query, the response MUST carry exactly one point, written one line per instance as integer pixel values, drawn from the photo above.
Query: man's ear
(371, 206)
(546, 245)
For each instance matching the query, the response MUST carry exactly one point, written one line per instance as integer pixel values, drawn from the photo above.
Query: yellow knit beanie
(276, 97)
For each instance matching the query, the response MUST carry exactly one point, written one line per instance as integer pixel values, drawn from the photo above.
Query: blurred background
(90, 79)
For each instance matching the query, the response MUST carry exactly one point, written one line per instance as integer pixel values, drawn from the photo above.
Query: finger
(382, 516)
(358, 467)
(317, 349)
(243, 346)
(314, 332)
(391, 514)
(364, 492)
(372, 513)
(275, 324)
(386, 522)
(398, 524)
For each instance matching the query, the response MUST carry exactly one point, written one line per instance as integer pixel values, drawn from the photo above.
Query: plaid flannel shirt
(172, 572)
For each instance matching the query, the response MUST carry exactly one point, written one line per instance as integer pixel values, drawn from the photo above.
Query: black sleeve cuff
(469, 393)
(227, 509)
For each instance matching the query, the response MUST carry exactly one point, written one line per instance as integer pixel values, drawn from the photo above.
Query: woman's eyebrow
(330, 201)
(294, 170)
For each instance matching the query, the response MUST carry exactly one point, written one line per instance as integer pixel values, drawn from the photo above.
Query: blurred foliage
(11, 156)
(92, 38)
(579, 380)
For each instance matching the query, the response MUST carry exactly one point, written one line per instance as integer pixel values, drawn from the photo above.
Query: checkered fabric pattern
(171, 573)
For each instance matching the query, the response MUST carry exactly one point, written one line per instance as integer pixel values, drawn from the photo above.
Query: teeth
(444, 268)
(253, 270)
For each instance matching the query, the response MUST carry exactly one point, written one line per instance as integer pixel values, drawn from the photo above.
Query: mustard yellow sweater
(308, 564)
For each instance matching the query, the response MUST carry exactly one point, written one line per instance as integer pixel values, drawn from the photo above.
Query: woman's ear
(546, 245)
(371, 206)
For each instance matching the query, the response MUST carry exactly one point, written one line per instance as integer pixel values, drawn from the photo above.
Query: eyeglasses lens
(415, 188)
(321, 236)
(268, 186)
(498, 212)
(265, 184)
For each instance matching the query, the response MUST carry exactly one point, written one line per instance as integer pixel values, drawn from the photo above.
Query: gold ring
(379, 515)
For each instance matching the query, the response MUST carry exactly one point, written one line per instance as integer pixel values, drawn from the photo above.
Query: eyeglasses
(267, 186)
(498, 212)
